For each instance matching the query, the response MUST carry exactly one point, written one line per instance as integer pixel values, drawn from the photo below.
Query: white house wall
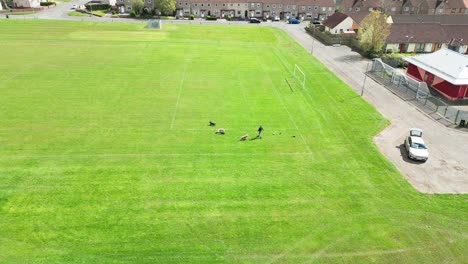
(344, 26)
(26, 3)
(428, 47)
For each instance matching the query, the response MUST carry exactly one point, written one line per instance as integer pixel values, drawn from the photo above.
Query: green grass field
(106, 155)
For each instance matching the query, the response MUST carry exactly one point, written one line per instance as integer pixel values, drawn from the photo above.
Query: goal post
(299, 75)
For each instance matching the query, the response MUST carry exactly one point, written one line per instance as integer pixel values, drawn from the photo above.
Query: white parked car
(415, 147)
(277, 18)
(74, 7)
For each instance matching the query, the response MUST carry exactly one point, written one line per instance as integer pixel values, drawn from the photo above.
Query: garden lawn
(106, 155)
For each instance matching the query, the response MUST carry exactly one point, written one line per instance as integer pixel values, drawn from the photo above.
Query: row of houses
(414, 33)
(305, 9)
(308, 9)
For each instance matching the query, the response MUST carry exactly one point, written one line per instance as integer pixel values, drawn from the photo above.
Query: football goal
(154, 23)
(299, 75)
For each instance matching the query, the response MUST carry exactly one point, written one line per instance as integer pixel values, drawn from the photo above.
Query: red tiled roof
(358, 17)
(456, 4)
(442, 19)
(335, 19)
(426, 33)
(321, 3)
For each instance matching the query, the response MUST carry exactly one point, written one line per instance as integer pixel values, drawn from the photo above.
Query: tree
(374, 32)
(137, 6)
(166, 7)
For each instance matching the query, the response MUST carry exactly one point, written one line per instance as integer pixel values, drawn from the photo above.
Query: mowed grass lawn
(106, 155)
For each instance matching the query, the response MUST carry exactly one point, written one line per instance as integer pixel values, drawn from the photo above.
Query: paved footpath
(446, 171)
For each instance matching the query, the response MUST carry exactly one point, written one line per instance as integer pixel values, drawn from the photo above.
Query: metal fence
(412, 89)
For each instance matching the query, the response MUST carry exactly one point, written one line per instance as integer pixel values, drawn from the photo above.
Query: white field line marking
(148, 155)
(178, 96)
(287, 110)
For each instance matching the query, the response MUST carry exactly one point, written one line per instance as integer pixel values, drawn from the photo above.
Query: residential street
(446, 171)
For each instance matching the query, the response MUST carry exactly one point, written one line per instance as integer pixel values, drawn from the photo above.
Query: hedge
(47, 3)
(211, 18)
(98, 7)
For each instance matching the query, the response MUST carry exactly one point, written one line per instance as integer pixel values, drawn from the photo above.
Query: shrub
(47, 3)
(228, 18)
(192, 17)
(211, 18)
(133, 13)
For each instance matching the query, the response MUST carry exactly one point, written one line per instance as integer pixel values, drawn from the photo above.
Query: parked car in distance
(277, 18)
(316, 22)
(415, 146)
(294, 21)
(254, 20)
(74, 7)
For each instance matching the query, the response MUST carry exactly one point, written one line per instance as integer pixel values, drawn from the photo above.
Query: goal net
(299, 75)
(154, 23)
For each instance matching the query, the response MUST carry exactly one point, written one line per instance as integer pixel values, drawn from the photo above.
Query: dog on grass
(244, 138)
(220, 131)
(212, 124)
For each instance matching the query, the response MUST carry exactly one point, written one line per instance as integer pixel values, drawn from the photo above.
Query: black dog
(212, 124)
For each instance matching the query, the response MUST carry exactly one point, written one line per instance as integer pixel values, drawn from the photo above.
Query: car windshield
(418, 146)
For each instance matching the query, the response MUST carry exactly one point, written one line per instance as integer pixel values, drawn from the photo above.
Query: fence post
(445, 112)
(456, 117)
(417, 91)
(425, 102)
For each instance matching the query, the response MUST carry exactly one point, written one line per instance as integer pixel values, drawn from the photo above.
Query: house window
(324, 9)
(129, 8)
(393, 9)
(180, 4)
(268, 6)
(310, 8)
(357, 9)
(257, 13)
(303, 8)
(439, 46)
(258, 5)
(224, 5)
(252, 5)
(274, 6)
(186, 4)
(420, 47)
(330, 8)
(280, 6)
(370, 9)
(441, 11)
(350, 9)
(453, 11)
(195, 5)
(216, 5)
(315, 7)
(406, 9)
(287, 7)
(294, 7)
(231, 4)
(202, 5)
(238, 12)
(238, 4)
(216, 12)
(208, 4)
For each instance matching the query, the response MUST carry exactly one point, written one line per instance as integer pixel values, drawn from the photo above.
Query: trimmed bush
(133, 13)
(192, 17)
(211, 18)
(47, 3)
(98, 7)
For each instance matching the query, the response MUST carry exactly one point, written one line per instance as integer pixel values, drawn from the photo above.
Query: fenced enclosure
(412, 89)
